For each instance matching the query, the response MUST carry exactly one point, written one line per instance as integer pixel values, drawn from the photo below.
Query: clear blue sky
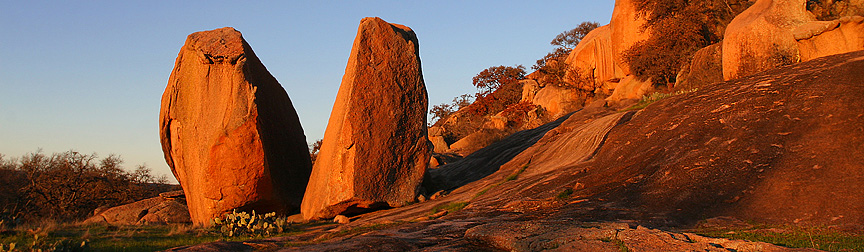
(89, 75)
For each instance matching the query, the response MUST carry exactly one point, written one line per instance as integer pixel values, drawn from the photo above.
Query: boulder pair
(233, 139)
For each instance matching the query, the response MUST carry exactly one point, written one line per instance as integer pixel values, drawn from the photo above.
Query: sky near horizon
(89, 75)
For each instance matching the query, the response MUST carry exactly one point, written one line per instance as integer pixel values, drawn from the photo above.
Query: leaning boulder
(229, 131)
(761, 37)
(375, 149)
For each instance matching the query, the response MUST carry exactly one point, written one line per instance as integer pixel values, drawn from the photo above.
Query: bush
(253, 225)
(442, 111)
(69, 186)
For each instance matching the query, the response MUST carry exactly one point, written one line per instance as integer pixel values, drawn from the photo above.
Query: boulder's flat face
(375, 149)
(761, 37)
(229, 132)
(819, 39)
(626, 26)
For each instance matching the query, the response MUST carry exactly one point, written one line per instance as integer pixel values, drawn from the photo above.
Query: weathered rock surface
(229, 131)
(772, 147)
(629, 89)
(558, 101)
(626, 25)
(163, 209)
(594, 58)
(761, 37)
(375, 149)
(705, 68)
(564, 235)
(823, 38)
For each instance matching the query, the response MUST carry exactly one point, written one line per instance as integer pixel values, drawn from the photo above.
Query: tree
(552, 67)
(444, 110)
(491, 79)
(314, 149)
(678, 30)
(569, 39)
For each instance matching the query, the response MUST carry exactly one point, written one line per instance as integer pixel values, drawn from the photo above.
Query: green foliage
(656, 96)
(450, 207)
(793, 236)
(510, 177)
(564, 194)
(621, 245)
(252, 225)
(491, 79)
(678, 30)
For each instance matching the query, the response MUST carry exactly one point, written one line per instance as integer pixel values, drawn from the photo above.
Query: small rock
(421, 198)
(437, 195)
(341, 219)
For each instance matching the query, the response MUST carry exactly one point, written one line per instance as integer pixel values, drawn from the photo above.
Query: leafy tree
(444, 110)
(493, 78)
(569, 39)
(678, 30)
(314, 148)
(552, 67)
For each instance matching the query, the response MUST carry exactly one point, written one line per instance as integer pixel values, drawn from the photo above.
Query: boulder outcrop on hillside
(169, 207)
(761, 37)
(705, 68)
(375, 149)
(594, 58)
(771, 148)
(229, 131)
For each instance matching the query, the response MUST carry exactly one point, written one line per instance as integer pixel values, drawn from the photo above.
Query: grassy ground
(110, 238)
(69, 237)
(792, 236)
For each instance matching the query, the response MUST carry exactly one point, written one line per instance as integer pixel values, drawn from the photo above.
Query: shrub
(69, 186)
(253, 225)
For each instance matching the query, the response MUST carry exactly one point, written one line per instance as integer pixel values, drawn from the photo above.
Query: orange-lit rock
(626, 25)
(823, 38)
(594, 59)
(229, 131)
(761, 37)
(375, 149)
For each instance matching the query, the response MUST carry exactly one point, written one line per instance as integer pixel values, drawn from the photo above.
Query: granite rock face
(229, 131)
(761, 37)
(375, 149)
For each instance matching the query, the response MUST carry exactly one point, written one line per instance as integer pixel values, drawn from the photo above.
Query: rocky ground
(772, 147)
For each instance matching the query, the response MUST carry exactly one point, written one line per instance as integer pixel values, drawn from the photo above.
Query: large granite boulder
(594, 58)
(229, 131)
(761, 37)
(627, 30)
(823, 38)
(375, 149)
(705, 68)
